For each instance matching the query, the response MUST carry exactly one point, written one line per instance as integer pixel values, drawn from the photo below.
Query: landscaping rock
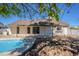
(50, 47)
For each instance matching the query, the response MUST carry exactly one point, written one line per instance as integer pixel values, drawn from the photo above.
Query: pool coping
(11, 38)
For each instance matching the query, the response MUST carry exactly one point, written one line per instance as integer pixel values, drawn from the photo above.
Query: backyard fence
(73, 32)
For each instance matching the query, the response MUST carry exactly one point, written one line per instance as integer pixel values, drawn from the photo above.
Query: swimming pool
(10, 44)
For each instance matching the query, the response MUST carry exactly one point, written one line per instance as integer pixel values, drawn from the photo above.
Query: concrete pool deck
(13, 37)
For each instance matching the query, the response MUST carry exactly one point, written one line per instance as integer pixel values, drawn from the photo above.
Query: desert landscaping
(55, 47)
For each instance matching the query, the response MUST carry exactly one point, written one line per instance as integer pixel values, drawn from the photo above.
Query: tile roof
(22, 22)
(29, 22)
(63, 24)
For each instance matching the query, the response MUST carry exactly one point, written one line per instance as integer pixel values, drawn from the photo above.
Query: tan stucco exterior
(43, 30)
(13, 28)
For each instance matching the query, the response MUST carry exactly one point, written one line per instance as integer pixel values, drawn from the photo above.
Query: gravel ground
(55, 46)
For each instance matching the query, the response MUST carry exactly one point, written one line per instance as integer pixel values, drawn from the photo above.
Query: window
(58, 28)
(28, 30)
(35, 30)
(0, 27)
(17, 30)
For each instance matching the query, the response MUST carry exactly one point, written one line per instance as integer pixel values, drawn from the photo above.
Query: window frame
(36, 30)
(28, 30)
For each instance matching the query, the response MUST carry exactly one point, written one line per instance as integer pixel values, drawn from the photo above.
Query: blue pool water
(7, 45)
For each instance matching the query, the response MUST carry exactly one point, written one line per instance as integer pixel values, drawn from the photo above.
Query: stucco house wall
(65, 30)
(13, 26)
(46, 30)
(23, 30)
(7, 31)
(13, 29)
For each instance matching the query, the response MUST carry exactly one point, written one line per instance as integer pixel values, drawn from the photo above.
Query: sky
(71, 16)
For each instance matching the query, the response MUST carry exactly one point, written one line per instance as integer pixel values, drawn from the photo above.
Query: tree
(51, 9)
(21, 10)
